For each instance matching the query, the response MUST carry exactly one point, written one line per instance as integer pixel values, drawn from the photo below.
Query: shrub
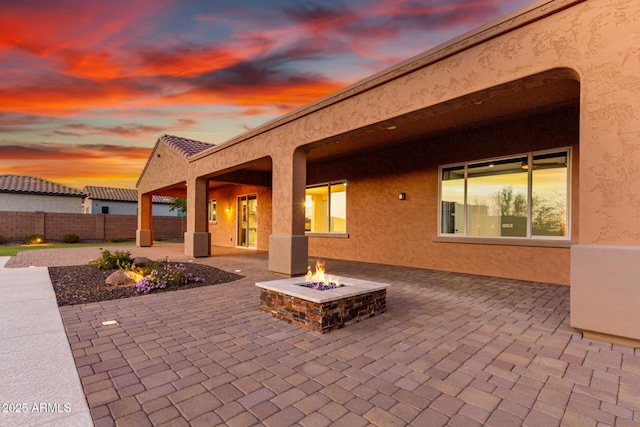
(116, 240)
(70, 238)
(161, 275)
(110, 261)
(2, 240)
(34, 239)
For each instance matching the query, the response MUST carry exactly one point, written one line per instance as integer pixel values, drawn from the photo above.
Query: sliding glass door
(248, 221)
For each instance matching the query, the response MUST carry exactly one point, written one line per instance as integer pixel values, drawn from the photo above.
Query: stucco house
(19, 193)
(510, 151)
(121, 201)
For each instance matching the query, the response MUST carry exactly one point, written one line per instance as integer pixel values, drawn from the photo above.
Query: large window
(326, 208)
(525, 196)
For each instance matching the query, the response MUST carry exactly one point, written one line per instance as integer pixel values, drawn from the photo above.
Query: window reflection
(326, 208)
(497, 198)
(549, 200)
(452, 195)
(523, 196)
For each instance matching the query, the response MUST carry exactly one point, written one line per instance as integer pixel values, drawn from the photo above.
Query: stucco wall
(166, 167)
(39, 202)
(384, 229)
(223, 231)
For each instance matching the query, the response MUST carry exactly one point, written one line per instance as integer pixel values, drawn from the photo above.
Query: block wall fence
(15, 226)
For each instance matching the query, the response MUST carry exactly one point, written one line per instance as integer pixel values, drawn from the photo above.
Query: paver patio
(452, 349)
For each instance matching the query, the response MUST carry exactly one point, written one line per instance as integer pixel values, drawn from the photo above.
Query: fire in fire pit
(319, 280)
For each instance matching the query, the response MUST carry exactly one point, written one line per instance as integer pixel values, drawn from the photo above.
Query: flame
(319, 276)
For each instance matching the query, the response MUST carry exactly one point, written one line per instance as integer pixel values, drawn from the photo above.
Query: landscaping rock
(121, 278)
(141, 261)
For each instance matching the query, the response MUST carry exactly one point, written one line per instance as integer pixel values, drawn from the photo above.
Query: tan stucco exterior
(560, 73)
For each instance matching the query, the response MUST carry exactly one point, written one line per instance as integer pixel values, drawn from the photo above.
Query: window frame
(516, 240)
(213, 213)
(329, 233)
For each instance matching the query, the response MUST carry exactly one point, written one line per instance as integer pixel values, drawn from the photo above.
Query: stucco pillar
(605, 295)
(288, 246)
(197, 240)
(144, 232)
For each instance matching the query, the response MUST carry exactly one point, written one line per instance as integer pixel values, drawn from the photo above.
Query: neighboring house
(30, 194)
(510, 151)
(121, 201)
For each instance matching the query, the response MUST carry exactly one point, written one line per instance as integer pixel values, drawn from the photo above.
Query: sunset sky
(87, 87)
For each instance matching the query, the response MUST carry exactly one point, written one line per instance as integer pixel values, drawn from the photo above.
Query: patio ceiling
(534, 95)
(526, 97)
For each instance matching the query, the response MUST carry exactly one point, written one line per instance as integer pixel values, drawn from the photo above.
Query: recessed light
(478, 103)
(109, 322)
(391, 127)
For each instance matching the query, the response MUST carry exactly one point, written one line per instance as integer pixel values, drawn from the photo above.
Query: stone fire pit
(322, 310)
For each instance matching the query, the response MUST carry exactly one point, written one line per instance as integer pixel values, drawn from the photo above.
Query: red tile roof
(33, 185)
(185, 147)
(119, 194)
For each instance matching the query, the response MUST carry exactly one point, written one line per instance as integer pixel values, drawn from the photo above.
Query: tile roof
(119, 194)
(185, 147)
(30, 184)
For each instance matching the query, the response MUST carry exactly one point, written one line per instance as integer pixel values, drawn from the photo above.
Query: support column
(288, 245)
(605, 265)
(144, 232)
(197, 239)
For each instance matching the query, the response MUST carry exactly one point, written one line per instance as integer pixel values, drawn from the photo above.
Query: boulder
(122, 278)
(141, 261)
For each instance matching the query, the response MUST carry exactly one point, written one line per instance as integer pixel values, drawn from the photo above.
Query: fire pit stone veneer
(322, 311)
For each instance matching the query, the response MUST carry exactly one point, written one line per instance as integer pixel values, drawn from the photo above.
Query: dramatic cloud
(121, 72)
(75, 164)
(67, 152)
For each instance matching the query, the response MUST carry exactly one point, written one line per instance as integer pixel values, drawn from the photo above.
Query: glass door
(248, 221)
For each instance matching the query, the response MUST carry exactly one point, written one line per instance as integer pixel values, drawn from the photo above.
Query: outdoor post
(197, 240)
(144, 233)
(605, 264)
(288, 246)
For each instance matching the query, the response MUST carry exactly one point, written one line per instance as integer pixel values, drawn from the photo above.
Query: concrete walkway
(451, 350)
(39, 383)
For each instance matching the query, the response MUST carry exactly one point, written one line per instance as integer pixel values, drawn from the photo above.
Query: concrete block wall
(15, 226)
(56, 225)
(120, 226)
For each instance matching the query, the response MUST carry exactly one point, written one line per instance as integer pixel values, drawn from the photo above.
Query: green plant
(110, 261)
(116, 240)
(178, 204)
(34, 239)
(70, 238)
(2, 240)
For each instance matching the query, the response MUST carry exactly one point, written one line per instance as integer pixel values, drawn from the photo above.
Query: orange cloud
(73, 164)
(97, 71)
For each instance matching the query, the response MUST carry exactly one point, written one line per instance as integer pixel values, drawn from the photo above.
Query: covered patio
(549, 82)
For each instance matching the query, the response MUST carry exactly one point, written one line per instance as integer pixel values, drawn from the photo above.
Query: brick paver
(451, 349)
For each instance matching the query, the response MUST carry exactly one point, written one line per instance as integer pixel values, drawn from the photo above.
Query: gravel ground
(85, 283)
